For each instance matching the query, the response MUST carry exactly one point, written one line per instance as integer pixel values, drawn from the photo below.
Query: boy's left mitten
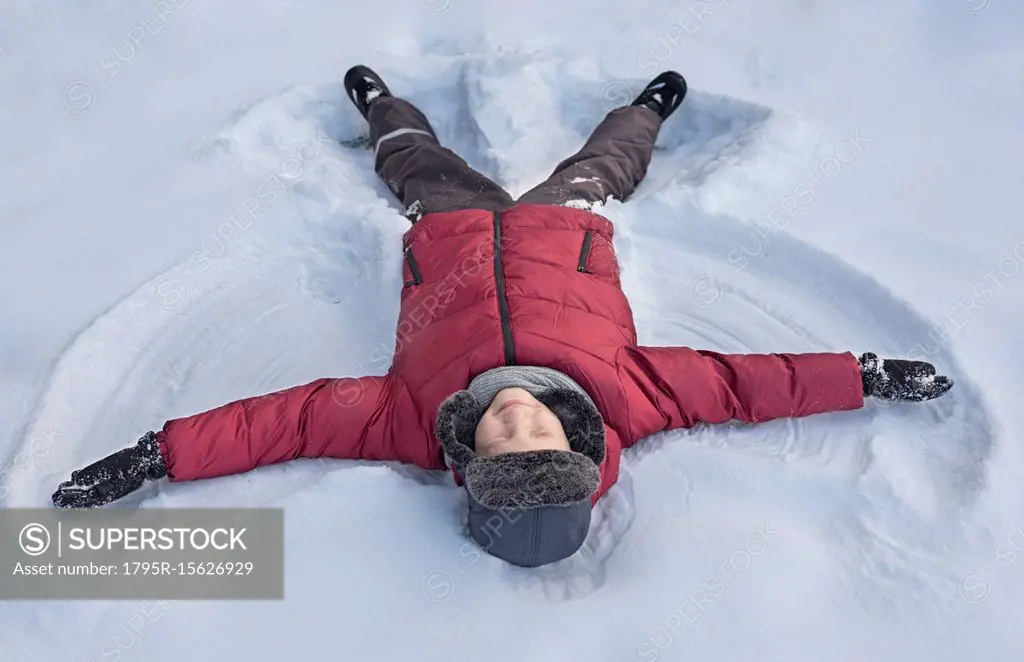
(112, 477)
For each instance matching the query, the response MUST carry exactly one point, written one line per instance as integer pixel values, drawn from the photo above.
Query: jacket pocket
(412, 275)
(597, 257)
(588, 240)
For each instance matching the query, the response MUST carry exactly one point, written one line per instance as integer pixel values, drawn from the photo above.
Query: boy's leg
(425, 176)
(611, 163)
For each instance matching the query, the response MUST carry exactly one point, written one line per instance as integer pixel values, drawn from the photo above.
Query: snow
(182, 227)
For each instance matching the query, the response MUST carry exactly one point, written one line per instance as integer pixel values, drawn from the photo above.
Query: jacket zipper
(499, 280)
(534, 537)
(414, 268)
(588, 237)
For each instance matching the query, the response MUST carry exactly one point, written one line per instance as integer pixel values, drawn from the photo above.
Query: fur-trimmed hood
(532, 478)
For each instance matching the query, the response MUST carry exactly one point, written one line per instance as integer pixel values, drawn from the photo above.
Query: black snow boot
(363, 85)
(663, 94)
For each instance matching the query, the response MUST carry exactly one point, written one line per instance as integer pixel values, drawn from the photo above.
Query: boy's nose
(518, 413)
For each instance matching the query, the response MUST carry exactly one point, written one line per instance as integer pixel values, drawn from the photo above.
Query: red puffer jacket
(532, 285)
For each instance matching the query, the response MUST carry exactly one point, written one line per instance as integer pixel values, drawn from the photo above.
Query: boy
(517, 364)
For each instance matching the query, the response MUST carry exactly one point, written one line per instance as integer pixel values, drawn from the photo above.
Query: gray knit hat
(529, 508)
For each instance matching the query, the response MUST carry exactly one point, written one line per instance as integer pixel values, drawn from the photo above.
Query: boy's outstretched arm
(680, 387)
(338, 418)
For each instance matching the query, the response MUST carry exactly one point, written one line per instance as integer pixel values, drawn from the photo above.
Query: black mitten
(112, 477)
(900, 379)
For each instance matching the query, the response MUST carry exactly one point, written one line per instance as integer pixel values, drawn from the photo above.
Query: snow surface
(842, 176)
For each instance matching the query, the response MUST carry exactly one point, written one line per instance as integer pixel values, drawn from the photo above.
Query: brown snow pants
(429, 178)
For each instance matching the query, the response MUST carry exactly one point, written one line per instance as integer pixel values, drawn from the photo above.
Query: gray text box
(141, 554)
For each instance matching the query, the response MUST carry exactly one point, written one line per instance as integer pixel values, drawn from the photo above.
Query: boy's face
(515, 422)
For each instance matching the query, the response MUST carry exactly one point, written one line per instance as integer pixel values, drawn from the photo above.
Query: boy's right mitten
(901, 380)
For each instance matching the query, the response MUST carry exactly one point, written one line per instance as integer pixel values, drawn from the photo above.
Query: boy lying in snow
(516, 364)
